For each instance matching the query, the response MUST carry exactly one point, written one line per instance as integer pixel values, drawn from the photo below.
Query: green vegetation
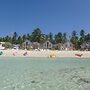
(38, 36)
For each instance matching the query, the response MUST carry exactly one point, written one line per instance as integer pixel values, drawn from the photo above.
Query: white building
(1, 45)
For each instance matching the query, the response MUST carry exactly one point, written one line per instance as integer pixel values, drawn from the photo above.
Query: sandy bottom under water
(44, 74)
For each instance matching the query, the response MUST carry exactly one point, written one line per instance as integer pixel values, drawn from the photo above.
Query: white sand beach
(46, 53)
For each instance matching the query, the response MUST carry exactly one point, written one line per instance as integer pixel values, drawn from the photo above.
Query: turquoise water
(44, 74)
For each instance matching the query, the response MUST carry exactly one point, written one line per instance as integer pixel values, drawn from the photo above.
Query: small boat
(79, 55)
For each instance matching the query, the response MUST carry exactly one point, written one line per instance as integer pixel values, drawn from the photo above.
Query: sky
(23, 16)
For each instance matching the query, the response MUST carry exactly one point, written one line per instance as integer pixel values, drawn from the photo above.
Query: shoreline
(46, 53)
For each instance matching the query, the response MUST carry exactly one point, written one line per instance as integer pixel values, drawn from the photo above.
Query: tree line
(38, 36)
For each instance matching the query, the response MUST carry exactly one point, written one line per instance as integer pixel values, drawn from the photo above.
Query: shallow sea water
(44, 74)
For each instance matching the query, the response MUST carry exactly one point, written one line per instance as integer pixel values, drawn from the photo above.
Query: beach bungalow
(8, 45)
(47, 45)
(5, 45)
(36, 45)
(68, 46)
(59, 46)
(88, 45)
(85, 46)
(27, 44)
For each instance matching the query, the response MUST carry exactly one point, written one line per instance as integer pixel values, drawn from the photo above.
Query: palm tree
(28, 36)
(14, 38)
(82, 38)
(37, 35)
(59, 37)
(74, 39)
(82, 33)
(64, 37)
(24, 37)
